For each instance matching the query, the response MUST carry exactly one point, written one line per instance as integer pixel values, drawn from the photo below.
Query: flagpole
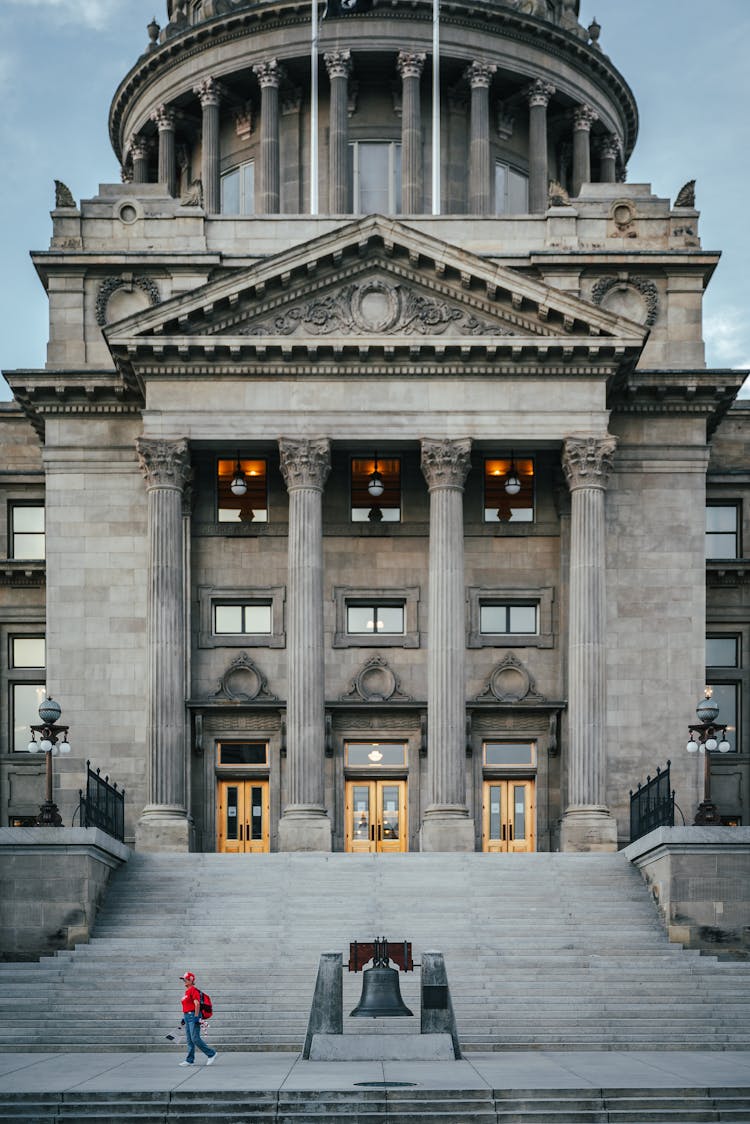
(435, 107)
(314, 109)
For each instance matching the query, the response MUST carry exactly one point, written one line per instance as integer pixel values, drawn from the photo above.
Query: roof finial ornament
(63, 195)
(686, 195)
(594, 29)
(557, 196)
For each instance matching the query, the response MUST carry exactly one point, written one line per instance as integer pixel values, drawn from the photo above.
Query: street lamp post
(707, 737)
(49, 744)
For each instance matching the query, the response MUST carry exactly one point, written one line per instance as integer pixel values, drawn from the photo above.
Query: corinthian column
(410, 68)
(538, 93)
(269, 75)
(304, 824)
(164, 119)
(446, 825)
(608, 154)
(339, 67)
(209, 95)
(479, 77)
(139, 154)
(583, 119)
(587, 825)
(164, 822)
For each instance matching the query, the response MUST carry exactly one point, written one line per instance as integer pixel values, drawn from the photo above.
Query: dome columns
(339, 67)
(165, 120)
(538, 94)
(208, 93)
(479, 76)
(410, 67)
(269, 75)
(583, 118)
(139, 149)
(609, 150)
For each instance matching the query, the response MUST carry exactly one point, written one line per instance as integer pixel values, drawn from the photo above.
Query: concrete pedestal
(305, 829)
(163, 829)
(382, 1047)
(446, 829)
(588, 828)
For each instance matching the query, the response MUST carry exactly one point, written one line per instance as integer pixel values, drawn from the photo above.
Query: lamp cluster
(704, 738)
(49, 712)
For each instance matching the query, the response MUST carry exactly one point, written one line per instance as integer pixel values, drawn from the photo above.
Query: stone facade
(215, 318)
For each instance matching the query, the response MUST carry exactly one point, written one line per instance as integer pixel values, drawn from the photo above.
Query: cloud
(89, 13)
(727, 337)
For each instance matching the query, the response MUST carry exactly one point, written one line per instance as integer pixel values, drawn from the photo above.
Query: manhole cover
(385, 1084)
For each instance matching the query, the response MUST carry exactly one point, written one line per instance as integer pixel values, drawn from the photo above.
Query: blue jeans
(193, 1036)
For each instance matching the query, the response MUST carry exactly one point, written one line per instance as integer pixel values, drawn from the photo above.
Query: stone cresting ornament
(557, 196)
(63, 195)
(164, 464)
(111, 284)
(643, 285)
(686, 196)
(446, 464)
(588, 461)
(305, 463)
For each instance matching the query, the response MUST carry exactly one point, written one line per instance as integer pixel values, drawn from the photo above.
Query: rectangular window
(376, 489)
(238, 190)
(511, 190)
(508, 490)
(509, 619)
(376, 755)
(27, 531)
(27, 651)
(726, 695)
(26, 699)
(722, 531)
(363, 620)
(242, 490)
(376, 176)
(722, 651)
(253, 618)
(509, 753)
(243, 753)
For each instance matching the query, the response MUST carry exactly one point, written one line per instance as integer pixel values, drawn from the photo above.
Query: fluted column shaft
(209, 95)
(412, 174)
(305, 465)
(445, 465)
(139, 154)
(165, 120)
(587, 462)
(539, 94)
(479, 76)
(608, 160)
(339, 65)
(269, 75)
(583, 119)
(163, 824)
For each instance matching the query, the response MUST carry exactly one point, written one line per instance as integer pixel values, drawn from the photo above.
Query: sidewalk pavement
(273, 1072)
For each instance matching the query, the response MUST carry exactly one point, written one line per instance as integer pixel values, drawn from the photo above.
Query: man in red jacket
(191, 1012)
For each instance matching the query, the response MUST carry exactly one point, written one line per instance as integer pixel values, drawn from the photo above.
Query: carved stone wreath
(375, 682)
(112, 284)
(646, 288)
(374, 307)
(510, 682)
(243, 682)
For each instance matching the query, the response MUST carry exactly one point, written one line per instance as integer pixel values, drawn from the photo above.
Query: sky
(61, 61)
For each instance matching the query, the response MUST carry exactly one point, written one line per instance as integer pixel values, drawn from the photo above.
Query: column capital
(445, 464)
(539, 92)
(588, 461)
(410, 64)
(583, 118)
(609, 146)
(208, 92)
(164, 464)
(305, 463)
(269, 73)
(164, 118)
(138, 148)
(479, 75)
(338, 63)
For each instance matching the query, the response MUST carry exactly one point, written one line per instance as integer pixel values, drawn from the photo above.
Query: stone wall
(52, 883)
(700, 880)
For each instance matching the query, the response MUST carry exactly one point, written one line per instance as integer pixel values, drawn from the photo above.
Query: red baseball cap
(188, 976)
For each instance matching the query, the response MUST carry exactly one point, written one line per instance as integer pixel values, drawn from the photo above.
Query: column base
(305, 827)
(163, 827)
(588, 827)
(447, 827)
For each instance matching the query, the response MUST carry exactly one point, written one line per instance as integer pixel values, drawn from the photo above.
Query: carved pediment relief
(243, 681)
(510, 682)
(375, 682)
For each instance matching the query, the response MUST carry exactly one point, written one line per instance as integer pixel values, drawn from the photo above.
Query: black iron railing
(103, 805)
(651, 805)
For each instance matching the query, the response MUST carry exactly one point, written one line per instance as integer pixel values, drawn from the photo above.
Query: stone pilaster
(446, 825)
(269, 75)
(583, 119)
(339, 67)
(587, 824)
(538, 94)
(209, 95)
(479, 77)
(304, 824)
(410, 67)
(608, 153)
(164, 823)
(139, 154)
(165, 120)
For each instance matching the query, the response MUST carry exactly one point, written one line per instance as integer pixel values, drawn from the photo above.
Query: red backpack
(207, 1007)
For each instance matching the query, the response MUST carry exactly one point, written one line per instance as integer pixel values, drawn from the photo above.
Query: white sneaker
(212, 1059)
(185, 1063)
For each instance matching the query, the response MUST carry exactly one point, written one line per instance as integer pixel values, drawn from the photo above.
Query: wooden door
(508, 816)
(243, 817)
(376, 816)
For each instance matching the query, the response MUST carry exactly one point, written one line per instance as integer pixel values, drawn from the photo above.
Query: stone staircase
(543, 951)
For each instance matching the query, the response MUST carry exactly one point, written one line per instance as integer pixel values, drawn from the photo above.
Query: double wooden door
(376, 816)
(508, 816)
(242, 817)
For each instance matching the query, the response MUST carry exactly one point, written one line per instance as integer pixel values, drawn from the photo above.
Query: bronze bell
(381, 995)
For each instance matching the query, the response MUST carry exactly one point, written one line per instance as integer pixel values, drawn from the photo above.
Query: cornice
(55, 393)
(28, 574)
(728, 572)
(707, 393)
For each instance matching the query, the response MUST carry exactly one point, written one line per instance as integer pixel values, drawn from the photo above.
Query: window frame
(510, 169)
(736, 506)
(395, 174)
(254, 522)
(210, 596)
(511, 459)
(542, 596)
(407, 596)
(16, 505)
(373, 500)
(238, 168)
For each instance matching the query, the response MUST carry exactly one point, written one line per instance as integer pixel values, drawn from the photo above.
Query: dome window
(511, 190)
(238, 190)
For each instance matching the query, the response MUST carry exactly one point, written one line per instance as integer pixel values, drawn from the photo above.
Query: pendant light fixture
(375, 485)
(512, 480)
(238, 486)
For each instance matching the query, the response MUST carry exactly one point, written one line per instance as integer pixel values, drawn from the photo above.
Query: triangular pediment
(374, 286)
